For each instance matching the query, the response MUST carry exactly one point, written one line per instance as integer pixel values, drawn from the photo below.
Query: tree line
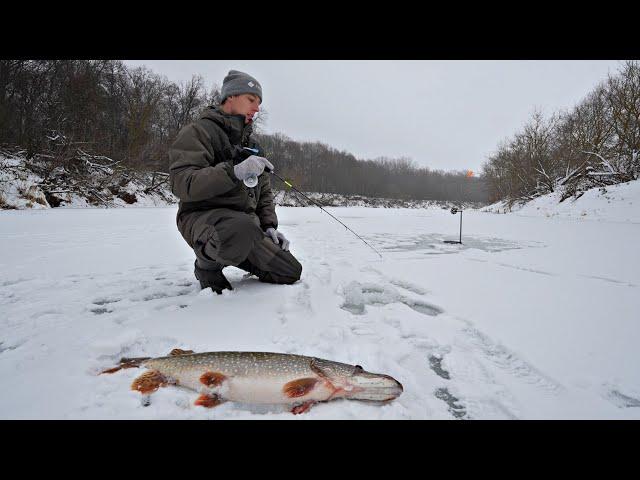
(317, 167)
(596, 143)
(132, 115)
(101, 106)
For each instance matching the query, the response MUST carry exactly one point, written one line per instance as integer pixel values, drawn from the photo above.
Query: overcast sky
(446, 115)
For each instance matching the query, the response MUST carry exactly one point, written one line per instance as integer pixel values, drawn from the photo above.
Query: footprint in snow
(409, 287)
(457, 409)
(621, 400)
(105, 301)
(358, 295)
(509, 361)
(435, 363)
(100, 310)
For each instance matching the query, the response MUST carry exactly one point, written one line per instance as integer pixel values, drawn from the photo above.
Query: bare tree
(597, 143)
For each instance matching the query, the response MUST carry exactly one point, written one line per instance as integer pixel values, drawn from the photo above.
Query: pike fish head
(372, 387)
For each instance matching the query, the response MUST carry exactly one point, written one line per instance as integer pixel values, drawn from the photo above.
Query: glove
(276, 236)
(253, 166)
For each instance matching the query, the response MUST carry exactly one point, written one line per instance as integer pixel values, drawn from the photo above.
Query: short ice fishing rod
(455, 210)
(268, 170)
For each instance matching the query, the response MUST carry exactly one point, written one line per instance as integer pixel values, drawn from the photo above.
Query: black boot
(213, 279)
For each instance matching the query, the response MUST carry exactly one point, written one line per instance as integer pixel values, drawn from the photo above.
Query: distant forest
(132, 115)
(595, 144)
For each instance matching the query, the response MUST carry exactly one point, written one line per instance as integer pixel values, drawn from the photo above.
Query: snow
(615, 203)
(18, 186)
(21, 188)
(534, 316)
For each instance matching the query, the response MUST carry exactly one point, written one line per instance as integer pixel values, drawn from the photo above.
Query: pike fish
(261, 378)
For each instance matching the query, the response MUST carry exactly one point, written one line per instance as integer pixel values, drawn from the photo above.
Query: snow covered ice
(534, 316)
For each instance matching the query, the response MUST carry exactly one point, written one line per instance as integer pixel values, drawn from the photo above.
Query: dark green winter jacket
(201, 172)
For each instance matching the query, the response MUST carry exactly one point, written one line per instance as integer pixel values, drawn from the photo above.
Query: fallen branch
(603, 160)
(100, 197)
(605, 174)
(575, 172)
(151, 189)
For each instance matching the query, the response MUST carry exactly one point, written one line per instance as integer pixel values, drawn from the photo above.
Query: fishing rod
(268, 170)
(455, 210)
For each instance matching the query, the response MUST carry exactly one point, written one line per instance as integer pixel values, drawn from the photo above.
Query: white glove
(253, 166)
(276, 236)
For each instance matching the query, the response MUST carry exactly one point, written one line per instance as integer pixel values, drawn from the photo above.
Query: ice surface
(534, 316)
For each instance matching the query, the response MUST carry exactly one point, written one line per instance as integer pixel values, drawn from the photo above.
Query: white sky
(444, 114)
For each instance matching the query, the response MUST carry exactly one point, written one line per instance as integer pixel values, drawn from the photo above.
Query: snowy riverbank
(33, 184)
(614, 203)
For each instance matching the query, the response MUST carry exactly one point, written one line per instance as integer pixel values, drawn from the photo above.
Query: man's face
(246, 104)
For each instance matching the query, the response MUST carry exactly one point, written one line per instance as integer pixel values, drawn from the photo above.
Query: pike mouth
(378, 396)
(376, 390)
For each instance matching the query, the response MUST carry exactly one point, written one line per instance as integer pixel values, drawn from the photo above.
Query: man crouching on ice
(222, 219)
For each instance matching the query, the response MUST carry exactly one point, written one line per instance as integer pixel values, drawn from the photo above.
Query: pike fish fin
(126, 363)
(112, 370)
(177, 351)
(208, 401)
(296, 410)
(149, 382)
(300, 387)
(212, 379)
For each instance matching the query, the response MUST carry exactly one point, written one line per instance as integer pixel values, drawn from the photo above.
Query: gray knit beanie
(237, 83)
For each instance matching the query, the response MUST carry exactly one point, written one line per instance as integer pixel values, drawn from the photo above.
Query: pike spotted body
(261, 378)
